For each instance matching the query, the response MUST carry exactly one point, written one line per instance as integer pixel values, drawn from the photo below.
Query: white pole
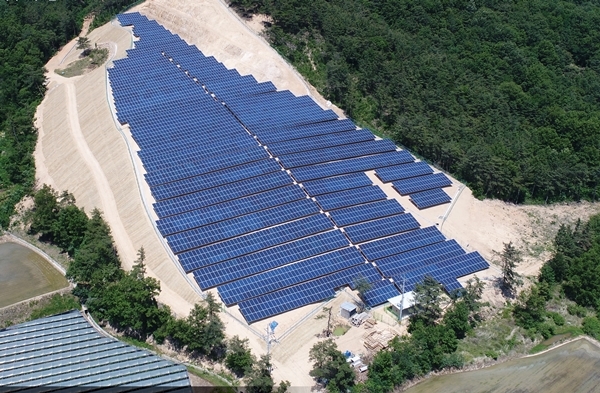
(402, 299)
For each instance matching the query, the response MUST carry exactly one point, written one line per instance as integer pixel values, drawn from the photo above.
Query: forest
(30, 33)
(504, 95)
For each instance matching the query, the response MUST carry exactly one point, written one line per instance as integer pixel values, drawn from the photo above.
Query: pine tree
(509, 259)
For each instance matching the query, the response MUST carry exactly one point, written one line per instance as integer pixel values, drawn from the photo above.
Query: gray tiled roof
(66, 351)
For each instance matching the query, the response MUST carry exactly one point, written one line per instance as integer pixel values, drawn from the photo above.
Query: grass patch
(538, 348)
(58, 304)
(220, 385)
(138, 343)
(95, 58)
(340, 330)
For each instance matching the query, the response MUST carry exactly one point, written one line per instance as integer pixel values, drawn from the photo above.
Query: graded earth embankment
(80, 149)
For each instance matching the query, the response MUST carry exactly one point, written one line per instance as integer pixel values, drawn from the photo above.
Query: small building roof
(409, 300)
(65, 350)
(348, 306)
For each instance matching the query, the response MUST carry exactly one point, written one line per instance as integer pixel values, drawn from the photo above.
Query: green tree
(239, 358)
(457, 319)
(258, 379)
(206, 330)
(45, 211)
(283, 387)
(130, 304)
(83, 43)
(362, 286)
(530, 310)
(509, 259)
(69, 228)
(330, 365)
(428, 296)
(96, 263)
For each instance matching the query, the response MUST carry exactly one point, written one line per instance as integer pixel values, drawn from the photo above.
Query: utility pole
(329, 323)
(402, 299)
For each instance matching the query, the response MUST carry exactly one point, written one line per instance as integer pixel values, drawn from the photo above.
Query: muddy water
(25, 274)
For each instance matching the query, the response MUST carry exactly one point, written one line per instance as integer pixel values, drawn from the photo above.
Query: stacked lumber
(369, 323)
(377, 340)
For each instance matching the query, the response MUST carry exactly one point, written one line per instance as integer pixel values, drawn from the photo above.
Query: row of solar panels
(234, 217)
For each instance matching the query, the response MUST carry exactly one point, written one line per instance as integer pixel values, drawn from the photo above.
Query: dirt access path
(80, 149)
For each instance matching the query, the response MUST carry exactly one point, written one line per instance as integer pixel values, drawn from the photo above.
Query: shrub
(558, 319)
(591, 327)
(577, 310)
(546, 330)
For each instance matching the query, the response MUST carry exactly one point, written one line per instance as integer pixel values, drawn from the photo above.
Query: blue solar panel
(286, 299)
(232, 269)
(236, 220)
(236, 226)
(404, 171)
(421, 183)
(425, 199)
(336, 153)
(195, 165)
(443, 271)
(370, 211)
(380, 292)
(379, 228)
(338, 183)
(229, 209)
(320, 141)
(417, 258)
(289, 275)
(351, 165)
(220, 194)
(308, 130)
(337, 200)
(246, 244)
(214, 179)
(397, 244)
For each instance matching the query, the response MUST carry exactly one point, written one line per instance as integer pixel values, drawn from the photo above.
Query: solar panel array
(259, 193)
(64, 351)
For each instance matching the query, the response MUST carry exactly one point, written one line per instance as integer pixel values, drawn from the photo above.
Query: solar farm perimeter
(263, 195)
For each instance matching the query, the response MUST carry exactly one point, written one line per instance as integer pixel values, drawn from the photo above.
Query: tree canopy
(503, 94)
(30, 33)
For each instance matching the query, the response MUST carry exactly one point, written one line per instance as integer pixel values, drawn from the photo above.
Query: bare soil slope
(80, 149)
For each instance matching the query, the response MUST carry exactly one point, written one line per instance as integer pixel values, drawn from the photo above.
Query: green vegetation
(239, 358)
(31, 32)
(57, 304)
(509, 259)
(330, 367)
(340, 330)
(92, 60)
(503, 94)
(433, 342)
(221, 386)
(259, 380)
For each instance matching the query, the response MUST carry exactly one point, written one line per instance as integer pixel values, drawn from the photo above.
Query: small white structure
(347, 310)
(403, 303)
(358, 319)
